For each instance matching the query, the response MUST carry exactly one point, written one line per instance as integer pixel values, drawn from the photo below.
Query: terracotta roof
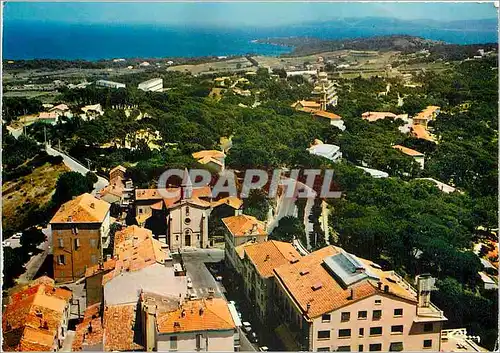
(244, 225)
(420, 132)
(90, 331)
(308, 104)
(309, 282)
(197, 315)
(268, 255)
(240, 249)
(32, 318)
(131, 232)
(119, 323)
(136, 253)
(232, 201)
(208, 153)
(408, 151)
(427, 112)
(197, 193)
(115, 187)
(147, 194)
(118, 167)
(374, 116)
(83, 209)
(106, 266)
(328, 115)
(307, 110)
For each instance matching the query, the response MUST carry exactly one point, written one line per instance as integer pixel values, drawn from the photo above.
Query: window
(398, 312)
(173, 342)
(323, 335)
(93, 243)
(378, 301)
(427, 343)
(326, 318)
(60, 242)
(360, 348)
(323, 349)
(177, 238)
(345, 316)
(397, 329)
(377, 314)
(396, 347)
(187, 220)
(375, 347)
(344, 349)
(93, 259)
(345, 332)
(361, 332)
(77, 243)
(428, 327)
(375, 331)
(362, 315)
(61, 260)
(187, 210)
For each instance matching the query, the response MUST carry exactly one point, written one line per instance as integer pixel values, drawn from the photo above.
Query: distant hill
(305, 46)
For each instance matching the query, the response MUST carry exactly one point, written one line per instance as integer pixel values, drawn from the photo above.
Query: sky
(260, 14)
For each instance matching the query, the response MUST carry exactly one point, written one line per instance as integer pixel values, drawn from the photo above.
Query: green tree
(256, 204)
(70, 184)
(288, 228)
(31, 238)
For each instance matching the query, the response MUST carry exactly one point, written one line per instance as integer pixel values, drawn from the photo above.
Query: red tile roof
(90, 331)
(268, 255)
(119, 323)
(83, 209)
(197, 315)
(32, 318)
(244, 225)
(408, 151)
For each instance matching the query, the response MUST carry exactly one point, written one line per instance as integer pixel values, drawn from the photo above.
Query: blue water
(23, 40)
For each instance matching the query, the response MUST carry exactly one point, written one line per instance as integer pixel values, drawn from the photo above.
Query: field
(33, 189)
(237, 64)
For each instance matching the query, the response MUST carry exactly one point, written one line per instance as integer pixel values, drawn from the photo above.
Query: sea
(44, 40)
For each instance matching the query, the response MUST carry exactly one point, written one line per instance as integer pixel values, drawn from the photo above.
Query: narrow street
(77, 167)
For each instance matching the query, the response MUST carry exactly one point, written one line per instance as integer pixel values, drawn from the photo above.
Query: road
(36, 261)
(202, 279)
(77, 167)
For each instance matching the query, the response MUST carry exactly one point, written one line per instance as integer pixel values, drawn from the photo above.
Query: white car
(189, 283)
(218, 278)
(193, 296)
(5, 243)
(247, 327)
(17, 235)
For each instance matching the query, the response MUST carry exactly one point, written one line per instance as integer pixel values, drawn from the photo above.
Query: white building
(153, 85)
(328, 151)
(374, 172)
(325, 91)
(110, 84)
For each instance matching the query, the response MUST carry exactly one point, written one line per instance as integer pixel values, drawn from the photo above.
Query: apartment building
(146, 202)
(80, 230)
(120, 189)
(258, 262)
(241, 229)
(331, 300)
(153, 85)
(187, 326)
(36, 318)
(324, 91)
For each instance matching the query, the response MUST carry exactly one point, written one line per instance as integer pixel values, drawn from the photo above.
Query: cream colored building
(331, 300)
(241, 229)
(417, 156)
(194, 325)
(324, 91)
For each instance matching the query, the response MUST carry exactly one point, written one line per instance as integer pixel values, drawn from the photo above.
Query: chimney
(201, 311)
(92, 205)
(183, 313)
(267, 257)
(308, 307)
(351, 295)
(254, 228)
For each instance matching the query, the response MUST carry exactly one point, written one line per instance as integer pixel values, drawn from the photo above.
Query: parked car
(252, 337)
(247, 327)
(5, 243)
(17, 235)
(189, 283)
(218, 278)
(263, 349)
(193, 296)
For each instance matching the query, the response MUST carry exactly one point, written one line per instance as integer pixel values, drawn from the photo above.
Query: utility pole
(45, 135)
